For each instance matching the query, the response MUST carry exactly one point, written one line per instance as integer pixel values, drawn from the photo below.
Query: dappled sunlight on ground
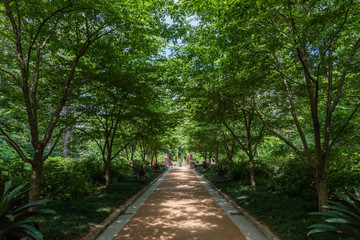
(180, 208)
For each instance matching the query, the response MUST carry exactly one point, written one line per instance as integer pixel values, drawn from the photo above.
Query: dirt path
(180, 208)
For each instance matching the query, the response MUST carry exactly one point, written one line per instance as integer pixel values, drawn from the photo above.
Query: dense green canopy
(265, 82)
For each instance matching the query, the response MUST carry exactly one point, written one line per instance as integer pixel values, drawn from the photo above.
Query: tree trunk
(132, 161)
(252, 171)
(107, 174)
(217, 156)
(321, 187)
(156, 160)
(131, 167)
(229, 160)
(36, 174)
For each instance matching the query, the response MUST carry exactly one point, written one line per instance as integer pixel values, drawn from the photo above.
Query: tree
(303, 51)
(44, 43)
(249, 139)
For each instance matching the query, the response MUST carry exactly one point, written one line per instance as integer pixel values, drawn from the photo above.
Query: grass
(287, 217)
(74, 218)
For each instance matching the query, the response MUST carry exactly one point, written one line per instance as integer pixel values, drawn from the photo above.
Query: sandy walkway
(180, 208)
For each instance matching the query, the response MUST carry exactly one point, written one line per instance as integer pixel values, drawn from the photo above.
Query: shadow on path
(180, 208)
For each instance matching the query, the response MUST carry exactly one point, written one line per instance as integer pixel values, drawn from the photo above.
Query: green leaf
(32, 204)
(10, 197)
(328, 227)
(10, 217)
(342, 220)
(31, 231)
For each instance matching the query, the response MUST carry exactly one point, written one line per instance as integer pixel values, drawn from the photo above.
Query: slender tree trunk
(321, 187)
(252, 171)
(133, 148)
(156, 160)
(107, 174)
(36, 175)
(229, 160)
(131, 166)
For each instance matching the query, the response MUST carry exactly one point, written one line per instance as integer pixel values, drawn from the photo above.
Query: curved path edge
(261, 227)
(97, 230)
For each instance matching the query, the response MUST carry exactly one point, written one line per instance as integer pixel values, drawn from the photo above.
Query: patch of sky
(192, 20)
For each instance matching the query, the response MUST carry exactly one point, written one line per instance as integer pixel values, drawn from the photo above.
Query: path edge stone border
(261, 227)
(98, 229)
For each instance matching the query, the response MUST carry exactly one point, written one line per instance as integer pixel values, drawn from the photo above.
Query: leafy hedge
(64, 178)
(293, 178)
(73, 179)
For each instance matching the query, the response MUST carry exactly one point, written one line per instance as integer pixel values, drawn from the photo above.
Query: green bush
(240, 172)
(14, 170)
(119, 169)
(342, 175)
(62, 180)
(293, 178)
(92, 168)
(73, 179)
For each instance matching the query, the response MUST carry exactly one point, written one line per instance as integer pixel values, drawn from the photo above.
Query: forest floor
(182, 208)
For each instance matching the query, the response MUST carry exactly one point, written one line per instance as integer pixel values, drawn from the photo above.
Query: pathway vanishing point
(180, 206)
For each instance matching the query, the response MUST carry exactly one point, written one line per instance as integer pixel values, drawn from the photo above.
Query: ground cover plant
(288, 217)
(75, 218)
(343, 217)
(17, 219)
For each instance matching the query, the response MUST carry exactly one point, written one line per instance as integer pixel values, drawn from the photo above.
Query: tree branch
(15, 146)
(135, 137)
(296, 150)
(237, 138)
(55, 143)
(347, 66)
(293, 113)
(344, 126)
(38, 32)
(11, 75)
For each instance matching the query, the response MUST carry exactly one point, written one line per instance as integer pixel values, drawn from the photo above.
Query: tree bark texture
(107, 174)
(36, 175)
(252, 171)
(322, 188)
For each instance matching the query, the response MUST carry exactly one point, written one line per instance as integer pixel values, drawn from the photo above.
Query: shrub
(14, 170)
(294, 179)
(119, 169)
(205, 166)
(221, 170)
(16, 221)
(342, 174)
(140, 169)
(92, 168)
(343, 218)
(239, 171)
(62, 180)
